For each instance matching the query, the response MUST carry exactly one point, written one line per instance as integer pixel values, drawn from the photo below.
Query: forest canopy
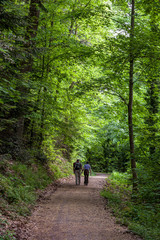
(80, 79)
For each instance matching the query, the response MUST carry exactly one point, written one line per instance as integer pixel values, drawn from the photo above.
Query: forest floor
(75, 213)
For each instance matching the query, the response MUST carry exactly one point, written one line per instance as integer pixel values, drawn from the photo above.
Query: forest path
(76, 213)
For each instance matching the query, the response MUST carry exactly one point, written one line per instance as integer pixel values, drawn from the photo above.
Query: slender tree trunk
(153, 104)
(130, 104)
(153, 96)
(42, 121)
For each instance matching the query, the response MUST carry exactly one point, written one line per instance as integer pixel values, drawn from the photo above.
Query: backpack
(77, 166)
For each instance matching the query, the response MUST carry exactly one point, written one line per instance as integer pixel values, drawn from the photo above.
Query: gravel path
(76, 213)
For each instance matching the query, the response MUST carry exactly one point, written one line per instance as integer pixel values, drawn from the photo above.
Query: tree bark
(153, 96)
(26, 66)
(130, 104)
(153, 104)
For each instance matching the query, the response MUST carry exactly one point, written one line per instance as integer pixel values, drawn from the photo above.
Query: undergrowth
(20, 183)
(142, 215)
(18, 187)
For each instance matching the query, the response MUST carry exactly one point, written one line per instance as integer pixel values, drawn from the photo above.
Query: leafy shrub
(36, 176)
(142, 216)
(8, 236)
(121, 178)
(56, 171)
(114, 198)
(5, 235)
(18, 186)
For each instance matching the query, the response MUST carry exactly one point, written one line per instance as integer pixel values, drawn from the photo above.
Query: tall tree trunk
(130, 104)
(152, 117)
(153, 94)
(26, 66)
(153, 105)
(41, 137)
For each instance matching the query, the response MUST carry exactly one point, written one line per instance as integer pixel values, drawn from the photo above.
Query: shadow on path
(76, 213)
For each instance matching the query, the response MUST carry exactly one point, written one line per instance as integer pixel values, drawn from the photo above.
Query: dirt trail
(76, 213)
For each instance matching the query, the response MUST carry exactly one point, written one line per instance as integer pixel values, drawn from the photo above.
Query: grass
(8, 236)
(20, 183)
(18, 188)
(142, 216)
(93, 173)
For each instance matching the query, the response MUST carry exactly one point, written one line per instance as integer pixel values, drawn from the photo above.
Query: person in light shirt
(87, 170)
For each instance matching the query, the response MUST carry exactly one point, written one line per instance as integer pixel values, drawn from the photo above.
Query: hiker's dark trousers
(86, 176)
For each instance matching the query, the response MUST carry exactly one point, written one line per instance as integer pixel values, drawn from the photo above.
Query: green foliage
(142, 215)
(39, 180)
(59, 166)
(121, 179)
(5, 235)
(8, 236)
(19, 185)
(113, 198)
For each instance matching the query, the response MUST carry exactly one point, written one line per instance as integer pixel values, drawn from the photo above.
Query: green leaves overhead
(69, 82)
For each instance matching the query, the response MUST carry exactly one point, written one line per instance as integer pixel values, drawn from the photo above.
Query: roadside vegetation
(21, 184)
(140, 212)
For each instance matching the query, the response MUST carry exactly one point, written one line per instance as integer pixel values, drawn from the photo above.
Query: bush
(34, 176)
(5, 235)
(142, 216)
(19, 184)
(8, 236)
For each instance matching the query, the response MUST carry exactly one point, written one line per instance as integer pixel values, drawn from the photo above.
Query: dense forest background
(80, 79)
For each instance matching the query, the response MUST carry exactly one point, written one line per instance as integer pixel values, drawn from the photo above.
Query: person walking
(77, 168)
(87, 170)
